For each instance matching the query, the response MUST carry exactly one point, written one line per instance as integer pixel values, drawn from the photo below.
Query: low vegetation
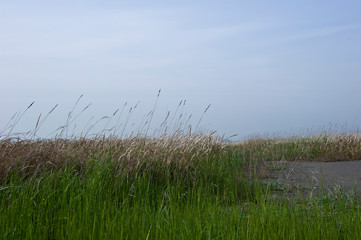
(177, 186)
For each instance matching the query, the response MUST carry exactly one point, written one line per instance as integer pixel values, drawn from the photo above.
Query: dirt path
(315, 175)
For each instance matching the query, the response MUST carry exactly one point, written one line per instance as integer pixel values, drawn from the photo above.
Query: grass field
(176, 186)
(184, 187)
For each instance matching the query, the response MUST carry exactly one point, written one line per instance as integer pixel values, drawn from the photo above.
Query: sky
(264, 67)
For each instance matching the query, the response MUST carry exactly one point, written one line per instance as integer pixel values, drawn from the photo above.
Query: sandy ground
(317, 176)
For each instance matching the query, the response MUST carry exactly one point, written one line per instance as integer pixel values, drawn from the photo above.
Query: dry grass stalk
(133, 154)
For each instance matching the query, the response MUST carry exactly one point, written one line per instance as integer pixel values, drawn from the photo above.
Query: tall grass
(342, 147)
(98, 204)
(178, 185)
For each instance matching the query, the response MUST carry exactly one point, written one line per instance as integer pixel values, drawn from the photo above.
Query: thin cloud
(297, 35)
(322, 32)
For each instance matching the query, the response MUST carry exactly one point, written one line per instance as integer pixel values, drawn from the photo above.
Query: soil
(316, 176)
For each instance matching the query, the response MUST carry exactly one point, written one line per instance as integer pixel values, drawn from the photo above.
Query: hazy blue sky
(264, 66)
